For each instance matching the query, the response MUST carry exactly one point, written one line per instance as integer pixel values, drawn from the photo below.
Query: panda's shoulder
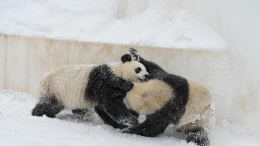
(176, 81)
(65, 68)
(197, 87)
(68, 70)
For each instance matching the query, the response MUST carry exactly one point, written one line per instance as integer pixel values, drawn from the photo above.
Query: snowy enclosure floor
(19, 128)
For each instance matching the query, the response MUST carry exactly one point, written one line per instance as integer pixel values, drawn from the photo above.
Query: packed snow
(160, 24)
(19, 128)
(240, 23)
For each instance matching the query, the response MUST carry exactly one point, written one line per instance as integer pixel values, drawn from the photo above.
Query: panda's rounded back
(148, 97)
(67, 84)
(199, 110)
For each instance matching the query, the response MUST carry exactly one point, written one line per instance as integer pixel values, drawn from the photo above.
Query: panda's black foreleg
(157, 122)
(151, 127)
(148, 128)
(116, 109)
(197, 135)
(107, 119)
(134, 113)
(154, 124)
(80, 111)
(47, 106)
(121, 84)
(134, 54)
(155, 71)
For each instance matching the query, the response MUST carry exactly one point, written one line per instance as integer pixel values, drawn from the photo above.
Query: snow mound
(18, 127)
(162, 23)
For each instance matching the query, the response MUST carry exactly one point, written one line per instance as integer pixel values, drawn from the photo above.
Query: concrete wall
(25, 60)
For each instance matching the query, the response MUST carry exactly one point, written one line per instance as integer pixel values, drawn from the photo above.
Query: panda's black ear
(126, 57)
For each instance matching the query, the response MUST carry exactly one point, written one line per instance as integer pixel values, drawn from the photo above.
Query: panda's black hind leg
(47, 106)
(197, 135)
(80, 111)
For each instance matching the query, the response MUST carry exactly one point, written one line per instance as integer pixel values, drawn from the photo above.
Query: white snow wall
(240, 23)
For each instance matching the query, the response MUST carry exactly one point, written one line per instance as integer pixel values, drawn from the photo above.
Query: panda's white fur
(200, 111)
(68, 83)
(146, 98)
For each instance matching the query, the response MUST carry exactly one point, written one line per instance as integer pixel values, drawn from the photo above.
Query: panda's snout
(147, 77)
(144, 78)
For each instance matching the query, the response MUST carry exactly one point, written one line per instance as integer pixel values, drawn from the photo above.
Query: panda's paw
(128, 120)
(127, 86)
(141, 130)
(131, 121)
(198, 135)
(128, 130)
(134, 54)
(132, 130)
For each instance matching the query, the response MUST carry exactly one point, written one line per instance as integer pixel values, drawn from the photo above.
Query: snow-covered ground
(19, 128)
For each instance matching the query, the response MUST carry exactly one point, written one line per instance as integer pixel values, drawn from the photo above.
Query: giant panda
(169, 99)
(86, 86)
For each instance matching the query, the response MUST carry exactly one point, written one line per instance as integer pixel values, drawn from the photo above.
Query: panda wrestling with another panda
(165, 99)
(87, 86)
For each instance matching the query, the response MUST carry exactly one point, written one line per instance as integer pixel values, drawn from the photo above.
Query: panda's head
(133, 71)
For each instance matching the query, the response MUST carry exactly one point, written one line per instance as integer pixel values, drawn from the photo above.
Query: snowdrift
(19, 128)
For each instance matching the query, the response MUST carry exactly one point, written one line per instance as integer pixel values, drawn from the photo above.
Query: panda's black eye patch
(138, 69)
